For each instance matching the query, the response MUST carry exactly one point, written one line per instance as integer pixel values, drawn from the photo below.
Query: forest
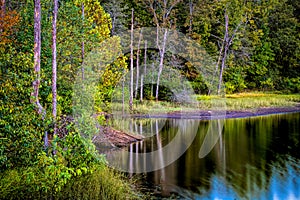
(45, 43)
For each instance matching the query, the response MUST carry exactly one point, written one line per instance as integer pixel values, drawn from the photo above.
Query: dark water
(254, 158)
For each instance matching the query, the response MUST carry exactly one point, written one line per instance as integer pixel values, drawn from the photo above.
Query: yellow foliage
(97, 18)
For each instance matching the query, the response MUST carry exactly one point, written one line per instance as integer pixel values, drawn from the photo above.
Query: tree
(144, 73)
(162, 10)
(82, 43)
(37, 58)
(82, 26)
(54, 64)
(138, 65)
(191, 9)
(117, 10)
(227, 42)
(131, 62)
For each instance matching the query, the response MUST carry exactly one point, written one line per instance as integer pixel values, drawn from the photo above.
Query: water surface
(254, 158)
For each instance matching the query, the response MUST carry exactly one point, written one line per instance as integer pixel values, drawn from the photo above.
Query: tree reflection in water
(256, 158)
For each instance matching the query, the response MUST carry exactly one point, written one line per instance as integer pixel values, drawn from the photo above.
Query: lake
(250, 158)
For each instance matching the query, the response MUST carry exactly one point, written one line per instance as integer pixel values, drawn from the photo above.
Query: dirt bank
(110, 138)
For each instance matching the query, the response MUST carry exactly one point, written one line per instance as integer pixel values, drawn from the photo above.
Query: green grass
(254, 100)
(104, 183)
(31, 183)
(240, 101)
(244, 101)
(150, 107)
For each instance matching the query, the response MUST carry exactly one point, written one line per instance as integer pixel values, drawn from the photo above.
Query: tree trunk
(138, 65)
(37, 64)
(161, 62)
(226, 46)
(131, 64)
(37, 56)
(54, 64)
(123, 95)
(141, 88)
(218, 63)
(152, 80)
(222, 70)
(82, 43)
(113, 25)
(191, 6)
(144, 74)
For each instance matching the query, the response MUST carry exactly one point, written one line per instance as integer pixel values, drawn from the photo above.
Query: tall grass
(103, 183)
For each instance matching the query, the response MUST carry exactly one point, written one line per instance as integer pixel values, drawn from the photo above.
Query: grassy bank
(254, 100)
(100, 182)
(240, 101)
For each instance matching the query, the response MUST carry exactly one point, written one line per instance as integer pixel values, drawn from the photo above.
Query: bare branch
(216, 37)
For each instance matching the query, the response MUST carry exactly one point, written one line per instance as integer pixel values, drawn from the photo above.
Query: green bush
(293, 84)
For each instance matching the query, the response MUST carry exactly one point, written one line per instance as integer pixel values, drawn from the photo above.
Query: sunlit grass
(240, 101)
(243, 101)
(153, 107)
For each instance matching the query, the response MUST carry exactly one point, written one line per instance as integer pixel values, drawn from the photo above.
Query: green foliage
(284, 36)
(28, 169)
(55, 180)
(72, 31)
(109, 79)
(199, 85)
(70, 168)
(264, 55)
(234, 80)
(20, 129)
(293, 84)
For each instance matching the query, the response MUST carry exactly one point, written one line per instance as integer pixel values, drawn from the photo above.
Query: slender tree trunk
(191, 6)
(144, 74)
(37, 56)
(131, 64)
(113, 25)
(165, 11)
(222, 70)
(161, 63)
(82, 43)
(218, 62)
(37, 64)
(226, 44)
(141, 88)
(152, 80)
(123, 96)
(54, 64)
(138, 65)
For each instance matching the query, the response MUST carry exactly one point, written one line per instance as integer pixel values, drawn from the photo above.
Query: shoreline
(110, 138)
(230, 114)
